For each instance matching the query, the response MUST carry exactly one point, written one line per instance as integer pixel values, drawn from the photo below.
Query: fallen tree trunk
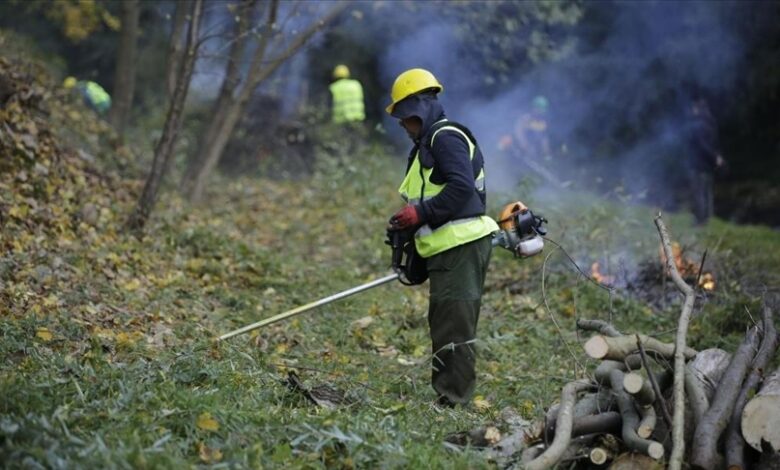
(735, 443)
(618, 348)
(704, 453)
(761, 417)
(563, 426)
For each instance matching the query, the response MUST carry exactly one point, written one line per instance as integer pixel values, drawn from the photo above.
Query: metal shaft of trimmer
(309, 306)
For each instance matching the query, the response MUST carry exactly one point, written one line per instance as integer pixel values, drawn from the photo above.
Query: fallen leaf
(480, 403)
(492, 435)
(207, 423)
(362, 323)
(207, 454)
(44, 334)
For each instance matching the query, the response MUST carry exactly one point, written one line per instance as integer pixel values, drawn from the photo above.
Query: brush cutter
(520, 232)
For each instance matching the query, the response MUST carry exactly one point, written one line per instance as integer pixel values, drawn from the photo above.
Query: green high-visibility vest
(417, 187)
(97, 96)
(347, 101)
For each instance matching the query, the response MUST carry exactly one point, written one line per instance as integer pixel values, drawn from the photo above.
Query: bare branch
(678, 439)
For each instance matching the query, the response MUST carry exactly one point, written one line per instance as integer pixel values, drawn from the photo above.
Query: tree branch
(678, 438)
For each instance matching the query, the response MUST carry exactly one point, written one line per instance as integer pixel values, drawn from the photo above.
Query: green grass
(130, 369)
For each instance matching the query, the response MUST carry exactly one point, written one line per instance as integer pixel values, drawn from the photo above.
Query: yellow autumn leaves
(206, 422)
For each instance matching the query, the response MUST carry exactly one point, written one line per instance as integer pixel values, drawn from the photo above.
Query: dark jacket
(702, 141)
(450, 160)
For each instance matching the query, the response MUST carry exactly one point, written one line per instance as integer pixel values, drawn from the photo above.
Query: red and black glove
(407, 217)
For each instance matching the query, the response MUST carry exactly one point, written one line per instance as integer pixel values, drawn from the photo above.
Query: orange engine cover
(505, 219)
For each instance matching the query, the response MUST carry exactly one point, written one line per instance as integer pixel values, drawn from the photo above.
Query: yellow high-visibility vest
(417, 187)
(347, 101)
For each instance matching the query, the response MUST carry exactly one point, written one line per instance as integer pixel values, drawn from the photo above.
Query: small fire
(595, 273)
(688, 269)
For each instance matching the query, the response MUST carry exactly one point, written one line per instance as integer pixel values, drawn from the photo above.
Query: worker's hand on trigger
(405, 218)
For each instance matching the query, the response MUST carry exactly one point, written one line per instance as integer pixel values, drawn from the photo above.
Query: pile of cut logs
(650, 403)
(626, 408)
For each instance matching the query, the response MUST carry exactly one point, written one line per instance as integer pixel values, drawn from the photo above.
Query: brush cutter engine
(521, 230)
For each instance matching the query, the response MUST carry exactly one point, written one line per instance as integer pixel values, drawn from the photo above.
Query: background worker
(529, 143)
(704, 157)
(347, 97)
(94, 95)
(444, 188)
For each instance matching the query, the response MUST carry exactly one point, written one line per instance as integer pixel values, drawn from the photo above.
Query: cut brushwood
(619, 347)
(631, 421)
(598, 326)
(678, 389)
(704, 454)
(735, 442)
(640, 388)
(563, 426)
(702, 374)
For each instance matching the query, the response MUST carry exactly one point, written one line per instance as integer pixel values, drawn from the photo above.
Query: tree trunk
(704, 454)
(164, 148)
(225, 104)
(176, 45)
(258, 72)
(124, 74)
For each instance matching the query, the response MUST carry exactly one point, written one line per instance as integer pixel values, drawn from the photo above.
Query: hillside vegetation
(108, 352)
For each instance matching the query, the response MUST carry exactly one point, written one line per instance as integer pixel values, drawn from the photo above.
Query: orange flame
(688, 268)
(595, 273)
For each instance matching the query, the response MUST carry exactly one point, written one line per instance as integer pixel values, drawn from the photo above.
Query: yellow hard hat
(69, 82)
(410, 82)
(341, 71)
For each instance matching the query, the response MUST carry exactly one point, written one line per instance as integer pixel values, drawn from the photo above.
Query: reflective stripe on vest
(417, 186)
(347, 101)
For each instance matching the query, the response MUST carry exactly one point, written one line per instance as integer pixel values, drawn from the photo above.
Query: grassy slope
(108, 360)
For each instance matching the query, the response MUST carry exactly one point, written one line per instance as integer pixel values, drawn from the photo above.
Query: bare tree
(164, 148)
(238, 92)
(124, 74)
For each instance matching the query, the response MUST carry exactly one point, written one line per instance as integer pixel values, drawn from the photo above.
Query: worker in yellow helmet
(347, 97)
(94, 95)
(444, 191)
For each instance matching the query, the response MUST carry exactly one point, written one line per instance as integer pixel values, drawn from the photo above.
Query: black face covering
(422, 105)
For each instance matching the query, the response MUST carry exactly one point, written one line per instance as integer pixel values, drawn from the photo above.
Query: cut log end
(655, 450)
(645, 431)
(760, 421)
(632, 382)
(599, 456)
(597, 347)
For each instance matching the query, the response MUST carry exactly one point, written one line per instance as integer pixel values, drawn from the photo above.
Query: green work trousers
(457, 277)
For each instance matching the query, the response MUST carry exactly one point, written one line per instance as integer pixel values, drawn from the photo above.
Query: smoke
(617, 101)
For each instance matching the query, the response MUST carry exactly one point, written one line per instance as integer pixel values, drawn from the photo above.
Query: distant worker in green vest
(444, 190)
(94, 95)
(347, 94)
